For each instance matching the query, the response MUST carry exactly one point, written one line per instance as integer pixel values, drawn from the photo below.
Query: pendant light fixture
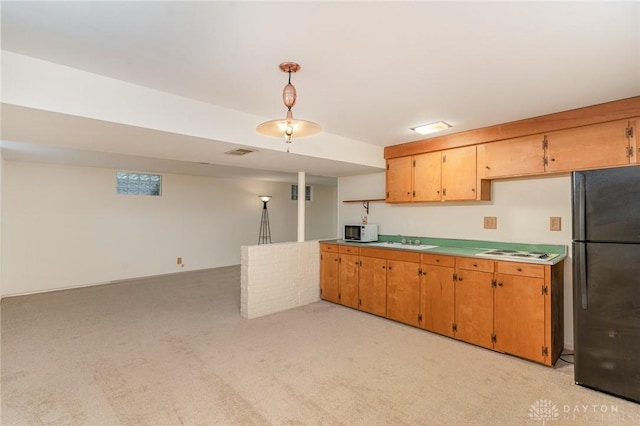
(288, 127)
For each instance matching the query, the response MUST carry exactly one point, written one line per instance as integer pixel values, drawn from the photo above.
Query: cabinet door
(348, 281)
(427, 179)
(634, 146)
(373, 285)
(513, 157)
(329, 276)
(437, 299)
(588, 147)
(403, 291)
(459, 174)
(519, 316)
(474, 307)
(398, 180)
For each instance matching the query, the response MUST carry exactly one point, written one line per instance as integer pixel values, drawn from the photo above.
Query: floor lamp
(265, 230)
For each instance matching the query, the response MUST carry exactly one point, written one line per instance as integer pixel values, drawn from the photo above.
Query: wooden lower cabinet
(348, 279)
(329, 272)
(510, 307)
(519, 316)
(373, 285)
(474, 307)
(437, 294)
(528, 307)
(403, 291)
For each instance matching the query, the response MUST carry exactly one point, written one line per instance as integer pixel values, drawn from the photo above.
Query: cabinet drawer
(402, 255)
(524, 269)
(349, 249)
(329, 247)
(474, 264)
(374, 252)
(438, 260)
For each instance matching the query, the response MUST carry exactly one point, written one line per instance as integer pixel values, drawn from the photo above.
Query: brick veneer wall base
(277, 277)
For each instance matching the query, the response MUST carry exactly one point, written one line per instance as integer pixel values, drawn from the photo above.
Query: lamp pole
(265, 230)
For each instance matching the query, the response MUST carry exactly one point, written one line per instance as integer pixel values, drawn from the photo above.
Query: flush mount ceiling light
(288, 126)
(431, 128)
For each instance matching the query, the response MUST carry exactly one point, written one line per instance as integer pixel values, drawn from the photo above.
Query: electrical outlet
(490, 222)
(179, 260)
(555, 223)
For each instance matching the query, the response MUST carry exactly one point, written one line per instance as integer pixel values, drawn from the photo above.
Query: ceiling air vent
(240, 151)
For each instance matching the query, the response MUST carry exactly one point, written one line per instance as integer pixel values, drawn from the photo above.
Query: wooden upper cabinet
(634, 145)
(398, 180)
(427, 179)
(512, 157)
(459, 174)
(436, 176)
(589, 147)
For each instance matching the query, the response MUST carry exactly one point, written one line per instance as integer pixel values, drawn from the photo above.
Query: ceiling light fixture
(431, 128)
(289, 126)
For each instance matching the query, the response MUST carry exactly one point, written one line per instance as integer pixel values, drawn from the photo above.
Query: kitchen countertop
(465, 248)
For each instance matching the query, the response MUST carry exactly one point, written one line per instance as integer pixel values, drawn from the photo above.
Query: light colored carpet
(174, 350)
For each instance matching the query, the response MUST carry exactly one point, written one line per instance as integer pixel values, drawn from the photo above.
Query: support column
(301, 203)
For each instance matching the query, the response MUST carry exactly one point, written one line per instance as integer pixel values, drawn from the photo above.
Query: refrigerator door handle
(579, 203)
(581, 273)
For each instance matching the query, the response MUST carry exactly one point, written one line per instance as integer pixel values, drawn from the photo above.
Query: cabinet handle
(487, 167)
(519, 269)
(384, 267)
(437, 260)
(475, 265)
(459, 278)
(553, 159)
(499, 284)
(389, 267)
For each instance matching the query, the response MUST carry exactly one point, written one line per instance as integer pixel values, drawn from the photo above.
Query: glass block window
(131, 183)
(294, 193)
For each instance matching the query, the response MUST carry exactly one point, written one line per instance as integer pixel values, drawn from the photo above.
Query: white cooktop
(516, 255)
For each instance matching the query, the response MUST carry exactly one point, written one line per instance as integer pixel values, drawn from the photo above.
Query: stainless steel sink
(389, 244)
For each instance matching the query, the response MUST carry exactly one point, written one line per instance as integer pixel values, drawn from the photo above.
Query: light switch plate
(490, 222)
(555, 223)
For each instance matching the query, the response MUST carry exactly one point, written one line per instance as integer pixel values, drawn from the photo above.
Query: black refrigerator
(606, 280)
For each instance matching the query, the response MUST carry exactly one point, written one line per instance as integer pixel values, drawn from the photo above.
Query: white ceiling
(370, 70)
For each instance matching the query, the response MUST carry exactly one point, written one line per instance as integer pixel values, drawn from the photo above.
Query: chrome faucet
(403, 240)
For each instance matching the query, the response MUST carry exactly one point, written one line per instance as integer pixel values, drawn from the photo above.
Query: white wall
(1, 173)
(522, 206)
(320, 220)
(65, 226)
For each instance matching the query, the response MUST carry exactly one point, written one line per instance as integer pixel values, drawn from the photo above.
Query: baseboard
(194, 271)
